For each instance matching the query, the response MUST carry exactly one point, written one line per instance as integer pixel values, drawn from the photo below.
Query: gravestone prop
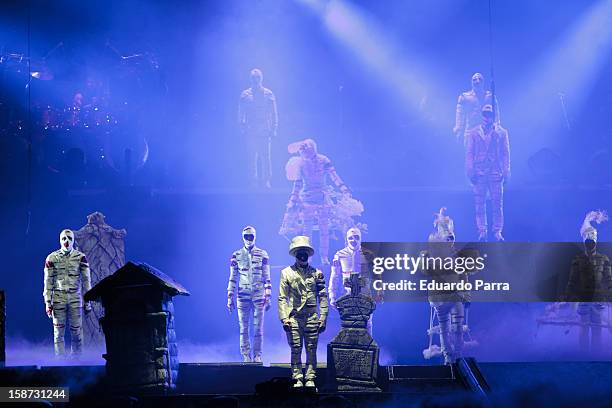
(352, 356)
(104, 247)
(2, 329)
(138, 324)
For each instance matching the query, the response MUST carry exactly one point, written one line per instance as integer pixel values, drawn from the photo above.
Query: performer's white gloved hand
(457, 132)
(267, 303)
(230, 302)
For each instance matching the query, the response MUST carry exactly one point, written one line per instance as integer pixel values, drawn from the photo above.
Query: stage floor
(244, 385)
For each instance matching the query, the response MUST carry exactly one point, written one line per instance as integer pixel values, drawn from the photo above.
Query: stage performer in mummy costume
(258, 120)
(487, 162)
(250, 280)
(312, 201)
(352, 259)
(469, 107)
(301, 288)
(449, 306)
(590, 283)
(66, 280)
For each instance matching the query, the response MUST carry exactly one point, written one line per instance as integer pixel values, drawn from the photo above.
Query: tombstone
(104, 247)
(2, 329)
(352, 356)
(138, 324)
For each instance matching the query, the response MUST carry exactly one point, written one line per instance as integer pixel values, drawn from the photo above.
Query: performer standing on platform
(487, 161)
(250, 277)
(590, 283)
(469, 107)
(349, 260)
(66, 280)
(310, 200)
(448, 305)
(258, 120)
(301, 287)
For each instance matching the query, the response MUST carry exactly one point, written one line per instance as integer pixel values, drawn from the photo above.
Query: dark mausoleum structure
(138, 324)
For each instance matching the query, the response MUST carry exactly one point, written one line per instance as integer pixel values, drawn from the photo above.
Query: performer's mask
(590, 245)
(301, 255)
(488, 116)
(353, 238)
(67, 240)
(256, 78)
(248, 236)
(308, 149)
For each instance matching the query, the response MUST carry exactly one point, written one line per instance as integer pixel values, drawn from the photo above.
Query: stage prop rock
(352, 356)
(104, 247)
(138, 324)
(2, 329)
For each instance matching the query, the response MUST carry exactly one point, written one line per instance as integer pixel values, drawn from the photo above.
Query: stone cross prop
(352, 356)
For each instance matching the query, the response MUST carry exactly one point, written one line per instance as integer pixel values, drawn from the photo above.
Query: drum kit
(89, 131)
